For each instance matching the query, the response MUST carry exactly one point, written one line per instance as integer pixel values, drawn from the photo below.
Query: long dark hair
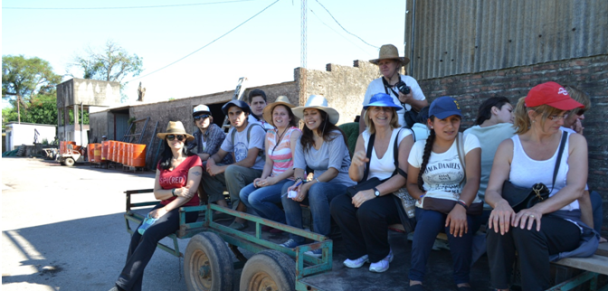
(166, 155)
(327, 128)
(485, 109)
(428, 147)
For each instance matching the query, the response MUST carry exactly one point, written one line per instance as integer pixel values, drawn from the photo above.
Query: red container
(97, 152)
(121, 149)
(104, 150)
(91, 153)
(110, 150)
(139, 155)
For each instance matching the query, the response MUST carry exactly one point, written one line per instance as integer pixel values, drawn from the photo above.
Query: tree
(24, 78)
(112, 63)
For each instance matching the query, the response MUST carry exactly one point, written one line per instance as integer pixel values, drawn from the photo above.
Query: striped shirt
(280, 154)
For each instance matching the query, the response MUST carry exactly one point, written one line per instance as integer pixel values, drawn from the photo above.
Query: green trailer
(208, 264)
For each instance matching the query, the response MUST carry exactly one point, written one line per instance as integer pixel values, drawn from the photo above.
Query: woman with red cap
(539, 152)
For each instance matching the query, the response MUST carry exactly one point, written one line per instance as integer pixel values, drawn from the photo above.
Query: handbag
(444, 202)
(524, 197)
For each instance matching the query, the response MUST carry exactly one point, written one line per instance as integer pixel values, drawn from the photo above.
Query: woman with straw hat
(389, 62)
(264, 193)
(322, 148)
(364, 217)
(177, 174)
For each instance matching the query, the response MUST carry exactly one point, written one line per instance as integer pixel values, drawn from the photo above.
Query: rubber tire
(69, 162)
(269, 270)
(207, 248)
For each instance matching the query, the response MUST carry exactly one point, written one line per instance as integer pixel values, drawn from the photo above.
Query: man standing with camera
(404, 89)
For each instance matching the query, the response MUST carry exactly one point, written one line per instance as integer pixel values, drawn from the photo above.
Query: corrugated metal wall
(468, 36)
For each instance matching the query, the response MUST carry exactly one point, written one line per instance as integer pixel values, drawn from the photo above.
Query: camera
(403, 88)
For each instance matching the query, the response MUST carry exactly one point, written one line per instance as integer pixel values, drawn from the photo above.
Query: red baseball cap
(552, 94)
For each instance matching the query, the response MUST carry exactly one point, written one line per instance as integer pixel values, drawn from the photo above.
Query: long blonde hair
(522, 121)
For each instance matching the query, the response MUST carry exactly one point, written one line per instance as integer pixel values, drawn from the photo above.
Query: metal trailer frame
(305, 265)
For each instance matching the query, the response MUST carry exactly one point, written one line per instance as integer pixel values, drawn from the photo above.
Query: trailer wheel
(269, 270)
(69, 162)
(208, 264)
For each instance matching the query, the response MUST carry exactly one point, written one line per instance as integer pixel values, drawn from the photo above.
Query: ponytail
(428, 147)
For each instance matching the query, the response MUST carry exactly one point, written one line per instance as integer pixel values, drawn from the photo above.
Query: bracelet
(173, 192)
(317, 180)
(463, 204)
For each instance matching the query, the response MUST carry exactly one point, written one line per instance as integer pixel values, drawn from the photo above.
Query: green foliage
(110, 63)
(23, 79)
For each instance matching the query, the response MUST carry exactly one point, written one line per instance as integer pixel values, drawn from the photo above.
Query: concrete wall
(344, 87)
(23, 134)
(589, 74)
(89, 92)
(100, 125)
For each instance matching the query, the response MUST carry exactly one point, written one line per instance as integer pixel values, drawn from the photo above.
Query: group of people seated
(454, 180)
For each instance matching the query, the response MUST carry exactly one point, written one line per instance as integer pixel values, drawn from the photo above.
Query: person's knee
(367, 212)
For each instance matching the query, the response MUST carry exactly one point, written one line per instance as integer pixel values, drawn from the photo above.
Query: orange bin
(97, 152)
(124, 153)
(119, 155)
(128, 154)
(110, 150)
(91, 152)
(115, 151)
(139, 155)
(104, 150)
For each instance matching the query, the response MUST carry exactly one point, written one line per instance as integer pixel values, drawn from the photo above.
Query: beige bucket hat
(389, 51)
(175, 127)
(317, 102)
(281, 100)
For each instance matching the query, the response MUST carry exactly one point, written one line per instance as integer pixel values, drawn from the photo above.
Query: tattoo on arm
(196, 173)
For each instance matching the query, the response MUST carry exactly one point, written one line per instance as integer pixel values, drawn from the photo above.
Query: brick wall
(589, 74)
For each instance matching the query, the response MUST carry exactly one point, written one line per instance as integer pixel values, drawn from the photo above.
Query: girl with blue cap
(444, 173)
(364, 214)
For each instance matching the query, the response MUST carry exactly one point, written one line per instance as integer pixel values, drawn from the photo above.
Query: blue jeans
(318, 197)
(264, 200)
(596, 204)
(429, 224)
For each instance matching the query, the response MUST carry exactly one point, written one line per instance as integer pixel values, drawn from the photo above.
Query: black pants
(365, 229)
(142, 247)
(556, 235)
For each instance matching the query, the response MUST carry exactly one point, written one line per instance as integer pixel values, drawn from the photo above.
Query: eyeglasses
(580, 112)
(556, 117)
(201, 117)
(171, 137)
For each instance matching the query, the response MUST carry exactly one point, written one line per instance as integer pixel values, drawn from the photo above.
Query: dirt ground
(63, 229)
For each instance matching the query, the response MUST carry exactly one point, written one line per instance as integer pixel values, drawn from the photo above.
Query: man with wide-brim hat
(404, 89)
(246, 141)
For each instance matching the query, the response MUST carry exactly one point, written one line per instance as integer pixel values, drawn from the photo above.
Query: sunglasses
(202, 116)
(172, 137)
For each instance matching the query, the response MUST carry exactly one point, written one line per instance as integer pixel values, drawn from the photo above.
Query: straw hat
(389, 51)
(175, 127)
(317, 102)
(281, 100)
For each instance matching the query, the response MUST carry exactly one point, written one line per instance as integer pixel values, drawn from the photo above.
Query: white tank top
(525, 172)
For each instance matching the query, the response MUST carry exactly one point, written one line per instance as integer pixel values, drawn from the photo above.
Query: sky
(266, 49)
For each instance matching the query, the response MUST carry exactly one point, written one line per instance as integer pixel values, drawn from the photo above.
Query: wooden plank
(596, 264)
(602, 250)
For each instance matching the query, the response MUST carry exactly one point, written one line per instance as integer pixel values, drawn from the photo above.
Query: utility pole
(304, 79)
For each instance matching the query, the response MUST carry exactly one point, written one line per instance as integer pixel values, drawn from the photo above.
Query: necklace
(280, 139)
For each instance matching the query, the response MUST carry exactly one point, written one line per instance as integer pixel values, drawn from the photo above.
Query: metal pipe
(81, 124)
(412, 57)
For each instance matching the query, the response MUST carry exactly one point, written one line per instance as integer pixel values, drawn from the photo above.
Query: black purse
(523, 197)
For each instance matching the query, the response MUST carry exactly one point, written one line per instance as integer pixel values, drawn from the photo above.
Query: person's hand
(158, 212)
(256, 181)
(501, 217)
(212, 168)
(359, 159)
(210, 162)
(526, 217)
(457, 221)
(269, 181)
(302, 192)
(407, 97)
(578, 126)
(363, 196)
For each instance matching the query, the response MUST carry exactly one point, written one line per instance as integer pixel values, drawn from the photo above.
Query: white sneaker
(356, 263)
(382, 265)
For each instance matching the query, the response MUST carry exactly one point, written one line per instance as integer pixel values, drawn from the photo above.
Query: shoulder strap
(562, 145)
(396, 156)
(232, 133)
(461, 155)
(370, 147)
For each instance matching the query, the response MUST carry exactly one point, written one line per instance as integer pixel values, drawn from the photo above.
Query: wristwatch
(376, 192)
(173, 192)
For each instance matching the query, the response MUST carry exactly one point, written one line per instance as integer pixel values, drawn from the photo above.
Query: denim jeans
(264, 200)
(596, 204)
(142, 247)
(429, 224)
(318, 198)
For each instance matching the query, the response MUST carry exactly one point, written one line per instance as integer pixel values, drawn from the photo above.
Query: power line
(208, 44)
(345, 28)
(123, 7)
(319, 18)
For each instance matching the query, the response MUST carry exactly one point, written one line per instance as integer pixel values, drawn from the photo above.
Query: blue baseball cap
(382, 100)
(443, 107)
(238, 103)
